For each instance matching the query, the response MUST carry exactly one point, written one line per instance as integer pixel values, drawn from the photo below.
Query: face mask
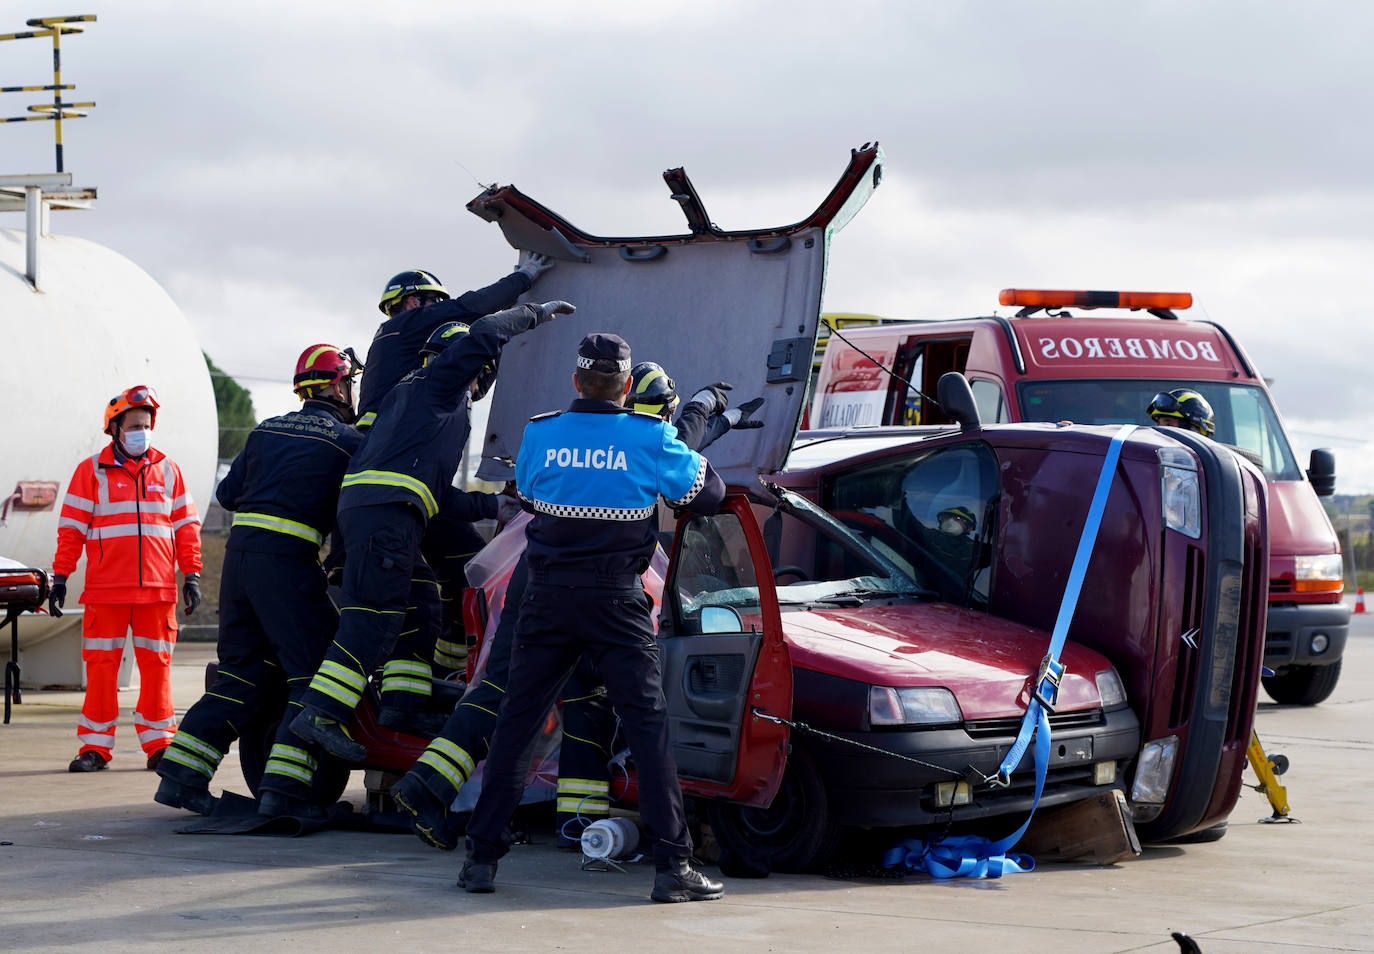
(952, 527)
(135, 443)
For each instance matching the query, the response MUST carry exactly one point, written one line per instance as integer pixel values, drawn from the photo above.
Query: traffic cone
(1359, 599)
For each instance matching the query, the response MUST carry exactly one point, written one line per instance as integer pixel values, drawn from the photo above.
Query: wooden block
(1099, 825)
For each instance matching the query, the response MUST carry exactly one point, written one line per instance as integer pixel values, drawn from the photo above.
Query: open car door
(725, 663)
(709, 305)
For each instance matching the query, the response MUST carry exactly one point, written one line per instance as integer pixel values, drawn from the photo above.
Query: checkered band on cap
(590, 364)
(607, 353)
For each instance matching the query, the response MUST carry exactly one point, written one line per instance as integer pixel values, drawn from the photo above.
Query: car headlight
(1110, 688)
(1319, 573)
(1153, 774)
(1180, 495)
(918, 705)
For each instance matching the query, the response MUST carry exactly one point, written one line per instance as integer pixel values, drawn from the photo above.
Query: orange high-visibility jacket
(138, 525)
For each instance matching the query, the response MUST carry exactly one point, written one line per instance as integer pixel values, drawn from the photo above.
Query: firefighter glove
(742, 416)
(57, 595)
(551, 308)
(712, 397)
(190, 592)
(532, 265)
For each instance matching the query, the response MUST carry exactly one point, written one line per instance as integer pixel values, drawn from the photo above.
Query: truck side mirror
(956, 399)
(1321, 471)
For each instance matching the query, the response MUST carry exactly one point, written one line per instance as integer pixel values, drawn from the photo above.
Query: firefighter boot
(478, 877)
(314, 726)
(176, 795)
(681, 882)
(276, 805)
(87, 761)
(428, 814)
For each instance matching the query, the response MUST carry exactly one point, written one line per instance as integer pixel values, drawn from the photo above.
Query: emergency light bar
(1048, 298)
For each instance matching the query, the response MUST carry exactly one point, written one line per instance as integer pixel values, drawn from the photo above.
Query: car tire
(256, 744)
(1203, 836)
(1303, 685)
(796, 833)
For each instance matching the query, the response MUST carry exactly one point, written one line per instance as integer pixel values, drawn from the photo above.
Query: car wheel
(1303, 685)
(1202, 836)
(256, 744)
(796, 833)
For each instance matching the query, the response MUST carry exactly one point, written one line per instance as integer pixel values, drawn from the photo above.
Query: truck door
(724, 658)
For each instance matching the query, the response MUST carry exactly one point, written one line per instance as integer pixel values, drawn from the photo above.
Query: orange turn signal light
(1318, 586)
(1051, 298)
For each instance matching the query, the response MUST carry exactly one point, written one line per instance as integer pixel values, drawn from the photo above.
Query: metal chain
(802, 726)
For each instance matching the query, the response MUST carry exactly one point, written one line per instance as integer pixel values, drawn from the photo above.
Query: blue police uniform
(392, 488)
(275, 615)
(395, 350)
(592, 476)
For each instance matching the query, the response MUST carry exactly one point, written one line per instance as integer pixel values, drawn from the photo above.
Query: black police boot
(87, 761)
(176, 795)
(682, 882)
(314, 726)
(425, 725)
(428, 815)
(478, 877)
(276, 805)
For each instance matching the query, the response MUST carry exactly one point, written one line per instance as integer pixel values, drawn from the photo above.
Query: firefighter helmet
(441, 337)
(321, 364)
(959, 513)
(138, 396)
(410, 282)
(1183, 407)
(651, 390)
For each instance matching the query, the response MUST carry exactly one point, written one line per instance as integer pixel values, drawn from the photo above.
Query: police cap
(603, 352)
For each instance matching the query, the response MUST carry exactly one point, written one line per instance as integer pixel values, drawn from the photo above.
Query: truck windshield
(1244, 415)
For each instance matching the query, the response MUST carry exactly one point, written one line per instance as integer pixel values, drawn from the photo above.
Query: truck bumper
(1288, 634)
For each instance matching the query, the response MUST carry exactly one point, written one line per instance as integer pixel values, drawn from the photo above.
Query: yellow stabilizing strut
(1268, 772)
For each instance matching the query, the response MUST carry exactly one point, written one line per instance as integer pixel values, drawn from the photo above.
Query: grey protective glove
(712, 397)
(190, 592)
(742, 416)
(532, 265)
(57, 596)
(551, 308)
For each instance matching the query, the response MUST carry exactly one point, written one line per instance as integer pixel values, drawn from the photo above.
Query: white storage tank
(95, 324)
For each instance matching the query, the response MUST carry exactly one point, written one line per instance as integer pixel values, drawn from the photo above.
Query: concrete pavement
(91, 863)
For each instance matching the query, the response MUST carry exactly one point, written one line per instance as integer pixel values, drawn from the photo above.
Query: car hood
(985, 661)
(708, 305)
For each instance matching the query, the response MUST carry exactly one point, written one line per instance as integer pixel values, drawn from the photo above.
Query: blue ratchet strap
(975, 856)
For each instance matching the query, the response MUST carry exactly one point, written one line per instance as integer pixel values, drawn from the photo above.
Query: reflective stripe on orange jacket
(138, 524)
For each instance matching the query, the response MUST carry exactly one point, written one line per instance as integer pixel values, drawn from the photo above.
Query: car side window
(713, 568)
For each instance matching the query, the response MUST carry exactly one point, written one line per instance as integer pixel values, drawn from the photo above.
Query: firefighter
(392, 489)
(591, 476)
(583, 788)
(1183, 407)
(128, 505)
(275, 615)
(415, 304)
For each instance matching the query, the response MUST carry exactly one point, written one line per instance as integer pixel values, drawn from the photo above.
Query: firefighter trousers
(104, 627)
(382, 546)
(275, 622)
(557, 626)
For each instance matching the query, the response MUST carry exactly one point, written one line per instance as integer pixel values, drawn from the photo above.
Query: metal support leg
(12, 692)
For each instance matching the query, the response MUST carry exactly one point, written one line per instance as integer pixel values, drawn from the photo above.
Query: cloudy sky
(271, 164)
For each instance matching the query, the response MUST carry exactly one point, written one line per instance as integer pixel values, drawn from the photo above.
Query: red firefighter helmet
(321, 364)
(138, 396)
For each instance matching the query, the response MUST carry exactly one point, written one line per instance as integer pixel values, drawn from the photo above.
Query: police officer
(275, 615)
(591, 476)
(391, 490)
(583, 788)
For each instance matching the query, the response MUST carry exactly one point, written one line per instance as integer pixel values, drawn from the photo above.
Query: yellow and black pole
(51, 27)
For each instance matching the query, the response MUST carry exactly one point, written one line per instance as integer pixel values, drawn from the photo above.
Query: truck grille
(1280, 585)
(989, 728)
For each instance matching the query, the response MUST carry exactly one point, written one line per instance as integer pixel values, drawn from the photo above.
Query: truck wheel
(1303, 685)
(256, 744)
(796, 833)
